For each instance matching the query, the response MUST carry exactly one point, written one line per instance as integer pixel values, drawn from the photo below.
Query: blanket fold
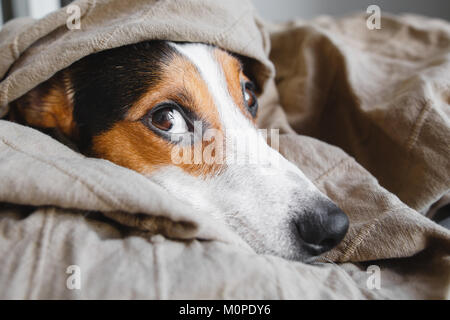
(381, 95)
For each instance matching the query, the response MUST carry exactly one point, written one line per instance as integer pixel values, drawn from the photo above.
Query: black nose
(322, 228)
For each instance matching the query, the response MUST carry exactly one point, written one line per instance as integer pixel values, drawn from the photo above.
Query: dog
(127, 104)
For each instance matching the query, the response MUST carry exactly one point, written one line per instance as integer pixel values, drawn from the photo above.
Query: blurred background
(282, 10)
(275, 10)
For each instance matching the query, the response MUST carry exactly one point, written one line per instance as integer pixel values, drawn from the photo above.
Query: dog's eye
(169, 119)
(250, 98)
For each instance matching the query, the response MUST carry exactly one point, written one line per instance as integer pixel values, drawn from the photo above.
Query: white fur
(258, 202)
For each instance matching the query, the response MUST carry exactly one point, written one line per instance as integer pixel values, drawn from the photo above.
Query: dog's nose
(323, 228)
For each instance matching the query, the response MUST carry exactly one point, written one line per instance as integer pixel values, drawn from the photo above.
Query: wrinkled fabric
(381, 95)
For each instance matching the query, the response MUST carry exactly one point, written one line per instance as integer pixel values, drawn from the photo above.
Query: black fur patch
(108, 83)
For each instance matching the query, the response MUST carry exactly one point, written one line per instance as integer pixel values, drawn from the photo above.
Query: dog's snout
(323, 228)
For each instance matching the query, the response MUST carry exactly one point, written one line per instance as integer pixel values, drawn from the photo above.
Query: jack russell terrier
(127, 104)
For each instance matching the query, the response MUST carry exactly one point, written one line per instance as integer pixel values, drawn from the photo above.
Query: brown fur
(48, 106)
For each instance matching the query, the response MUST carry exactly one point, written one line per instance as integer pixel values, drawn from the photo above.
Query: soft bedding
(364, 113)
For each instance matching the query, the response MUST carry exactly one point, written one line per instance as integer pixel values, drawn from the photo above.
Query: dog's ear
(48, 106)
(250, 70)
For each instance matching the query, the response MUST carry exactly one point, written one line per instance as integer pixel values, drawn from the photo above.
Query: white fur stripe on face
(243, 141)
(202, 56)
(231, 116)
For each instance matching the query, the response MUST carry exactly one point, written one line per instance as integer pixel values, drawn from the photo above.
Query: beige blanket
(381, 95)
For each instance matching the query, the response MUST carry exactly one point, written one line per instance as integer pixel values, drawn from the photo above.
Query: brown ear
(48, 106)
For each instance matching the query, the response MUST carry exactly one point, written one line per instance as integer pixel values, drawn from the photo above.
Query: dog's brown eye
(162, 119)
(170, 120)
(250, 98)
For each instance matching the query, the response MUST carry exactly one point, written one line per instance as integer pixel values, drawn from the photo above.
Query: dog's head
(184, 116)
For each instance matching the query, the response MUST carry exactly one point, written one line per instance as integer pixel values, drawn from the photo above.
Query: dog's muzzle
(322, 228)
